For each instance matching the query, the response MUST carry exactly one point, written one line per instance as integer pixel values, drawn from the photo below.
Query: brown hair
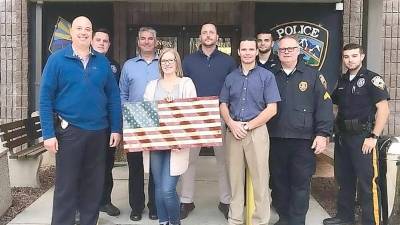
(352, 46)
(103, 30)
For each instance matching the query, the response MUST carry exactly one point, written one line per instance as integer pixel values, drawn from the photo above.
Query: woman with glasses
(168, 165)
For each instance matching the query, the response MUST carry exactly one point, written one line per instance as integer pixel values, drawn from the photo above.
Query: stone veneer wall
(13, 60)
(391, 59)
(352, 32)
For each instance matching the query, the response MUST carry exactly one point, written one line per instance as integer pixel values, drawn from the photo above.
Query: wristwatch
(246, 127)
(372, 135)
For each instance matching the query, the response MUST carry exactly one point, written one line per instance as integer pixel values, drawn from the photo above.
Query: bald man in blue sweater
(79, 104)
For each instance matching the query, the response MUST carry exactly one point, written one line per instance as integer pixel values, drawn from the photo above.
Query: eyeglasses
(167, 61)
(288, 49)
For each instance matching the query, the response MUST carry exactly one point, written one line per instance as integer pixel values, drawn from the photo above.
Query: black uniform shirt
(115, 68)
(272, 64)
(305, 109)
(356, 99)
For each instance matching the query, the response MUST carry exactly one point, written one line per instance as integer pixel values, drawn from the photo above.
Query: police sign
(318, 28)
(313, 40)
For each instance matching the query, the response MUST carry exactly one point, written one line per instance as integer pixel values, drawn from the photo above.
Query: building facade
(21, 32)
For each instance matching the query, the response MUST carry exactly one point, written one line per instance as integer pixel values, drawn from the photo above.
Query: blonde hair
(178, 63)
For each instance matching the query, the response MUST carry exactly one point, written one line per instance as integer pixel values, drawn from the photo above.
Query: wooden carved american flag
(161, 125)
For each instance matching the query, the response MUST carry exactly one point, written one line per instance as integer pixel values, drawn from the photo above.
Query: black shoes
(337, 221)
(186, 208)
(153, 215)
(224, 208)
(110, 209)
(135, 216)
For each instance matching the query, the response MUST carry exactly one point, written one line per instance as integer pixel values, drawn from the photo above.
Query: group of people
(277, 115)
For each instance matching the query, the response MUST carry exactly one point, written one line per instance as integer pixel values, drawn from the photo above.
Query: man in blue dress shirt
(248, 100)
(136, 73)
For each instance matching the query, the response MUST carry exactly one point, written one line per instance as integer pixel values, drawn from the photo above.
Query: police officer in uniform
(298, 132)
(101, 43)
(363, 110)
(266, 57)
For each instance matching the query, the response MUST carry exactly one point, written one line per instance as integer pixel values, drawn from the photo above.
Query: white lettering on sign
(298, 29)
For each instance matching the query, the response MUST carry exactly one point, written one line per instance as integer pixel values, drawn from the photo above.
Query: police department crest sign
(313, 40)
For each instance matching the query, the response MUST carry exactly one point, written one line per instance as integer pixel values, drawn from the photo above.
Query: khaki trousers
(252, 151)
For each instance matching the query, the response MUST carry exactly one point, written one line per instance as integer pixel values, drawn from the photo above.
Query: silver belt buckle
(64, 123)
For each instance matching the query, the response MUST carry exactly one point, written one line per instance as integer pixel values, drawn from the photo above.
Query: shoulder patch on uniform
(360, 82)
(303, 85)
(323, 81)
(378, 82)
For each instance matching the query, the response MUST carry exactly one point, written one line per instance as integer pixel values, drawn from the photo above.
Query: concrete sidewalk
(206, 200)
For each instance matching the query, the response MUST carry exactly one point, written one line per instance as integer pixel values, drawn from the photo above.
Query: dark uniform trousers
(350, 164)
(292, 164)
(79, 175)
(110, 155)
(136, 184)
(108, 178)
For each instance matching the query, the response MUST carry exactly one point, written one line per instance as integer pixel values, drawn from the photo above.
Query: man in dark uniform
(266, 57)
(101, 43)
(363, 110)
(298, 132)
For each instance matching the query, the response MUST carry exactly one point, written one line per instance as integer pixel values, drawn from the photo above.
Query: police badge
(303, 86)
(360, 82)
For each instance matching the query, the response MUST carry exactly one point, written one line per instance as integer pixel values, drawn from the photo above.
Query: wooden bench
(22, 139)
